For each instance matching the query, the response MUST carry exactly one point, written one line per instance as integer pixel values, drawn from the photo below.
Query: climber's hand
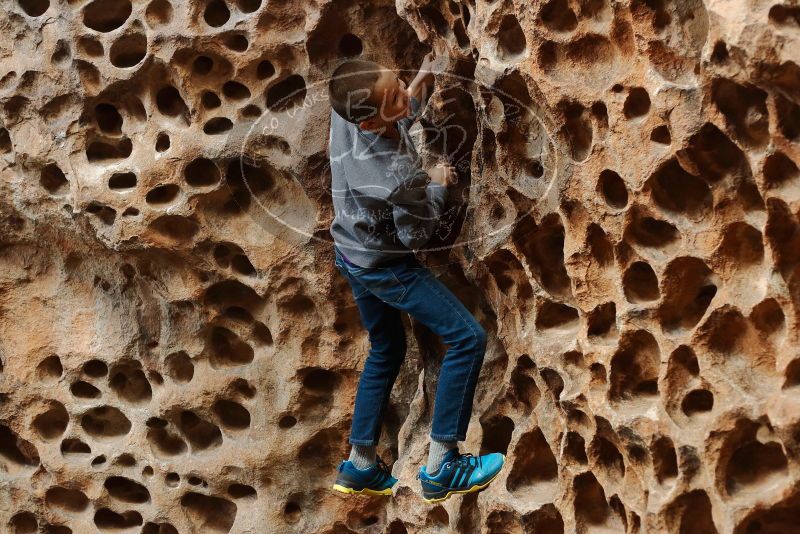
(427, 62)
(443, 174)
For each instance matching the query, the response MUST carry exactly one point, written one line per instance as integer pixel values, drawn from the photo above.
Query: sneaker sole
(365, 491)
(473, 489)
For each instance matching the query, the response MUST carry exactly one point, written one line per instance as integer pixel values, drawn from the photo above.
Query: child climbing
(386, 208)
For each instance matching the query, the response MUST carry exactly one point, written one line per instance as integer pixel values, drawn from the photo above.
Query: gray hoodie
(384, 203)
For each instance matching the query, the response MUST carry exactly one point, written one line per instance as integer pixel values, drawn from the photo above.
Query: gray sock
(436, 453)
(363, 456)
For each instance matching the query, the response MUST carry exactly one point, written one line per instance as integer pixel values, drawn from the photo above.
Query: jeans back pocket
(382, 282)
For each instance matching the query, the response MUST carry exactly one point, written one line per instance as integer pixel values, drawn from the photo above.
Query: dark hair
(350, 89)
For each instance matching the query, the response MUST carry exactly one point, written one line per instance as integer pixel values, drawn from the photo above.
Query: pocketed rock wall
(178, 353)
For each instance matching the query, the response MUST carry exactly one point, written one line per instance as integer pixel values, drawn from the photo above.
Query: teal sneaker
(460, 473)
(375, 480)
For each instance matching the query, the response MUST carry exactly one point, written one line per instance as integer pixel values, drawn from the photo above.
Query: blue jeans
(382, 294)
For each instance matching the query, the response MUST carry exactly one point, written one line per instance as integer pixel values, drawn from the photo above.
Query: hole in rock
(661, 135)
(543, 247)
(201, 172)
(68, 500)
(200, 433)
(130, 384)
(122, 180)
(292, 512)
(599, 245)
(52, 179)
(84, 390)
(591, 507)
(237, 42)
(126, 490)
(785, 14)
(287, 421)
(741, 245)
(432, 16)
(109, 149)
(241, 491)
(577, 130)
(170, 103)
(768, 316)
(108, 118)
(216, 13)
(688, 291)
(265, 70)
(637, 104)
(602, 320)
(128, 50)
(744, 108)
(90, 46)
(248, 6)
(180, 367)
(208, 513)
(162, 194)
(16, 451)
(52, 423)
(162, 142)
(675, 190)
(95, 368)
(104, 422)
(202, 65)
(5, 141)
(697, 401)
(635, 367)
(497, 432)
(235, 90)
(175, 227)
(753, 465)
(232, 415)
(158, 12)
(49, 369)
(719, 54)
(640, 283)
(788, 118)
(665, 461)
(553, 380)
(537, 463)
(163, 443)
(557, 16)
(511, 42)
(74, 446)
(34, 8)
(287, 93)
(106, 214)
(650, 232)
(227, 349)
(606, 455)
(210, 100)
(555, 315)
(217, 126)
(523, 386)
(612, 187)
(779, 169)
(106, 15)
(576, 448)
(350, 45)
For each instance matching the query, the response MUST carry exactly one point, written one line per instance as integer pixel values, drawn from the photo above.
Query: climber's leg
(387, 351)
(411, 287)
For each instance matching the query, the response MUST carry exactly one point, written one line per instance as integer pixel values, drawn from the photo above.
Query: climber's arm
(422, 84)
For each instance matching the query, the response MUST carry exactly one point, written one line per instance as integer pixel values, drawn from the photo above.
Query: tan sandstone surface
(178, 353)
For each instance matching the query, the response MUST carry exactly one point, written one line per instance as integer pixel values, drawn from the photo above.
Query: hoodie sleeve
(417, 205)
(414, 106)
